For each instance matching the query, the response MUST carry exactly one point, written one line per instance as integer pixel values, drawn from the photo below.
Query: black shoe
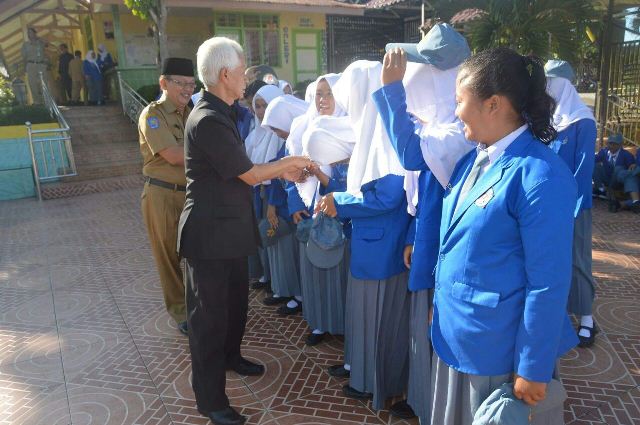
(402, 410)
(338, 371)
(614, 206)
(227, 416)
(261, 285)
(314, 339)
(353, 393)
(247, 368)
(635, 207)
(587, 341)
(285, 310)
(183, 328)
(275, 300)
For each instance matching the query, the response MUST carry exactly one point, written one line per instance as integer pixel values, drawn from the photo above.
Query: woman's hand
(272, 216)
(408, 252)
(394, 66)
(529, 391)
(327, 205)
(295, 168)
(298, 216)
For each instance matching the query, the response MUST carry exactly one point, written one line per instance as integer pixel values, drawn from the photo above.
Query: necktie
(476, 171)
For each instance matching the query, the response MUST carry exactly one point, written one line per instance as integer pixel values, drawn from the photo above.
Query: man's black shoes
(351, 392)
(183, 328)
(247, 368)
(226, 416)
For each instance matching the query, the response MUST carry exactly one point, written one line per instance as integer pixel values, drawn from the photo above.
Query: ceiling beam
(21, 11)
(59, 10)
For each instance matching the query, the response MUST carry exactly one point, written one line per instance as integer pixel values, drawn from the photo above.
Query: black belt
(172, 186)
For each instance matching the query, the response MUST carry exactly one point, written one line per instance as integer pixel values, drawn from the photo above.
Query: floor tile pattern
(85, 339)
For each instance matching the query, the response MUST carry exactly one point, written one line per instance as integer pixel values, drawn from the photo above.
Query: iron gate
(351, 38)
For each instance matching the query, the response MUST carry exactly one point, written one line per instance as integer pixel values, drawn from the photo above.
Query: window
(258, 34)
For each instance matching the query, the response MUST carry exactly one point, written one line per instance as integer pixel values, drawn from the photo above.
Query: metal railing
(51, 151)
(132, 102)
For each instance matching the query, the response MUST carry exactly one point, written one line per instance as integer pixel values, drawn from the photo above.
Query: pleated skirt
(582, 290)
(377, 336)
(284, 265)
(457, 396)
(419, 390)
(324, 292)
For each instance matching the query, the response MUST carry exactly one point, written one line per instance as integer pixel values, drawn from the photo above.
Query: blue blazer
(624, 159)
(91, 71)
(338, 183)
(504, 268)
(575, 145)
(276, 193)
(424, 233)
(379, 223)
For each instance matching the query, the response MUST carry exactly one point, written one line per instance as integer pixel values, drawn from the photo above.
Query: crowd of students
(444, 229)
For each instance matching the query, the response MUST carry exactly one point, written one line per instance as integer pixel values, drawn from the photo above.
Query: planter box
(16, 174)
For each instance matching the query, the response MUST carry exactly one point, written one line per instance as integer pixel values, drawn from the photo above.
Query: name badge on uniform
(484, 199)
(153, 122)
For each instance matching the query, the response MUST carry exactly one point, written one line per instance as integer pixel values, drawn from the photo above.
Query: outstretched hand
(295, 170)
(327, 206)
(394, 66)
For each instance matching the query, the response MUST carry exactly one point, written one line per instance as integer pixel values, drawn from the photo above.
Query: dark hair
(78, 53)
(63, 45)
(520, 79)
(253, 88)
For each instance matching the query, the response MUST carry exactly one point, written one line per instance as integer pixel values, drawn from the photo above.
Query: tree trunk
(163, 49)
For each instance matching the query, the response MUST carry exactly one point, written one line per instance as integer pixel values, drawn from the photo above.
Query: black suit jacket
(217, 221)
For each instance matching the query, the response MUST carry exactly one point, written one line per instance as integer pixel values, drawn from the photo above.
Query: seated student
(499, 306)
(377, 306)
(576, 140)
(328, 140)
(283, 255)
(429, 99)
(606, 161)
(630, 179)
(262, 146)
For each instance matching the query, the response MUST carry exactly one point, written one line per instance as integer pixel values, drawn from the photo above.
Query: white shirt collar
(494, 151)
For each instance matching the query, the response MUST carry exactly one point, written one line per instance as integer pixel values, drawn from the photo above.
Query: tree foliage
(545, 28)
(156, 12)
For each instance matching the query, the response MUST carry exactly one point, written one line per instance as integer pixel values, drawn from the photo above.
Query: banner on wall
(140, 49)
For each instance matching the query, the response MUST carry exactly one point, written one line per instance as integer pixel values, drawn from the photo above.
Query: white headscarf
(281, 112)
(282, 84)
(569, 107)
(88, 57)
(102, 51)
(373, 156)
(299, 125)
(310, 93)
(431, 97)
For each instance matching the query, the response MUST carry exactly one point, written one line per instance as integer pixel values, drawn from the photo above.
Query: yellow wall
(19, 131)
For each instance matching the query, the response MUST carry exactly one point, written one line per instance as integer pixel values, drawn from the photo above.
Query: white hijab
(281, 112)
(569, 107)
(102, 51)
(373, 156)
(299, 125)
(282, 84)
(431, 97)
(88, 57)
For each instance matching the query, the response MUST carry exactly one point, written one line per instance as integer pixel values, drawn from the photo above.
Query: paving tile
(105, 406)
(627, 348)
(76, 278)
(600, 363)
(618, 315)
(13, 254)
(88, 310)
(29, 277)
(19, 306)
(33, 402)
(22, 342)
(132, 283)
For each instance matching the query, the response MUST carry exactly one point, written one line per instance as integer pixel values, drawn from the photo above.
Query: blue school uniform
(425, 232)
(575, 145)
(276, 193)
(379, 221)
(338, 183)
(504, 268)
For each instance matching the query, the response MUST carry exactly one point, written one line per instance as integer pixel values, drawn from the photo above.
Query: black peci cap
(178, 66)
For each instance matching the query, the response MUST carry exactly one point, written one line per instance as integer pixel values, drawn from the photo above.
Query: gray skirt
(283, 265)
(419, 391)
(377, 336)
(582, 290)
(324, 292)
(457, 396)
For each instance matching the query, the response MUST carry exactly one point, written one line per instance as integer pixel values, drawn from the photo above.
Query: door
(307, 47)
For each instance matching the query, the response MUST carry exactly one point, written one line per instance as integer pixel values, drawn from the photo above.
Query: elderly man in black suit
(217, 229)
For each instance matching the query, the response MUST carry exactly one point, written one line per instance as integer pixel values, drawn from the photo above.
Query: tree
(156, 11)
(541, 27)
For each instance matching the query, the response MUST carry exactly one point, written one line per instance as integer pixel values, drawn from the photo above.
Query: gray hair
(215, 54)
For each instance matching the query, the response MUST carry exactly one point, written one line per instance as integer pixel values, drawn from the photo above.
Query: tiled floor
(84, 337)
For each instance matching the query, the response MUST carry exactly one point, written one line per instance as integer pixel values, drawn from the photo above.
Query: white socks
(317, 332)
(292, 304)
(588, 322)
(262, 280)
(347, 367)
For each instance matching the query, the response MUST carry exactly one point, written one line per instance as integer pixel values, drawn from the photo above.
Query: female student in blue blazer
(504, 265)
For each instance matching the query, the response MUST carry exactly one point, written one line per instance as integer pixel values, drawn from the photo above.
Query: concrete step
(84, 187)
(105, 170)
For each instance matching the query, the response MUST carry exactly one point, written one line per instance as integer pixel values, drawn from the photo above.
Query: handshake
(298, 168)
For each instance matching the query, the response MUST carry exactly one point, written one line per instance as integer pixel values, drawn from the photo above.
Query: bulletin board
(140, 50)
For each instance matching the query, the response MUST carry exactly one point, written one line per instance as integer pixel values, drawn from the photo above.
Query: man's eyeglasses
(183, 85)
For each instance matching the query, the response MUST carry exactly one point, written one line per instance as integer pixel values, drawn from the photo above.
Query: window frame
(261, 32)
